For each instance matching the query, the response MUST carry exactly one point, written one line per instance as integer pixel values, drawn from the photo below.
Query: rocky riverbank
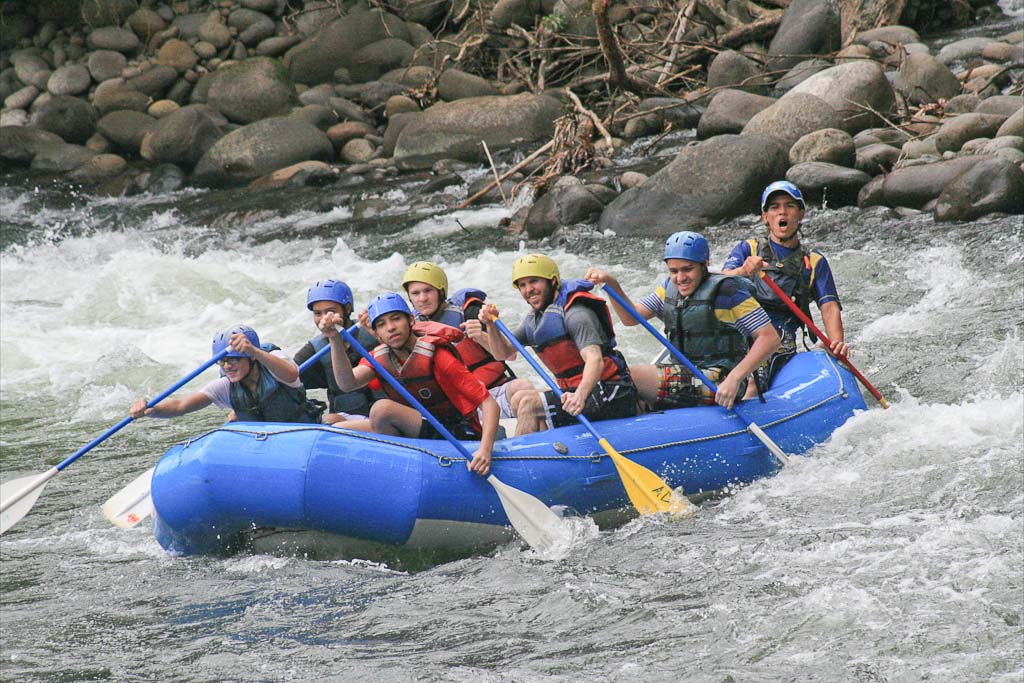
(123, 97)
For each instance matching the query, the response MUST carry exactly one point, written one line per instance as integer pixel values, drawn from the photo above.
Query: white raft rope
(594, 456)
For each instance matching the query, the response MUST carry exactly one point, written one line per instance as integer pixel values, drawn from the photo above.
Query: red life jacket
(493, 373)
(417, 373)
(558, 351)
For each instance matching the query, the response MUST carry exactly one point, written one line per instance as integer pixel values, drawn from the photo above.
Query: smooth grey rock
(74, 120)
(993, 185)
(828, 184)
(962, 104)
(106, 64)
(60, 158)
(792, 117)
(260, 148)
(154, 81)
(962, 50)
(70, 79)
(729, 111)
(876, 158)
(113, 38)
(98, 13)
(146, 23)
(1013, 125)
(954, 132)
(562, 206)
(277, 45)
(356, 151)
(321, 116)
(730, 69)
(677, 111)
(856, 90)
(505, 13)
(214, 31)
(178, 55)
(97, 168)
(120, 97)
(255, 89)
(829, 145)
(412, 76)
(457, 85)
(809, 27)
(923, 79)
(1001, 105)
(455, 129)
(182, 137)
(915, 186)
(676, 198)
(125, 129)
(22, 98)
(31, 69)
(314, 60)
(380, 57)
(252, 26)
(800, 73)
(19, 144)
(894, 35)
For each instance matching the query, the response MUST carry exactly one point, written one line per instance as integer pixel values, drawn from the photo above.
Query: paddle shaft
(821, 335)
(46, 476)
(753, 428)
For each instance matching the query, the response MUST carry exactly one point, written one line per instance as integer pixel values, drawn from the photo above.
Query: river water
(894, 553)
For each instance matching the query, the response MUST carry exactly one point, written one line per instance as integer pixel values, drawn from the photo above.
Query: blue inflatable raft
(217, 492)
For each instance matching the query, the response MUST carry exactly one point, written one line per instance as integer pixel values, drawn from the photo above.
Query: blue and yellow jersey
(734, 306)
(817, 272)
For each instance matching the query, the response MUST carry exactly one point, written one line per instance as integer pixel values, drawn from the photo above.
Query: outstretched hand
(139, 409)
(329, 323)
(488, 314)
(481, 462)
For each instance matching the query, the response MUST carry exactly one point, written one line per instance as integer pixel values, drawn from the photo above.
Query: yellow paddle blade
(646, 490)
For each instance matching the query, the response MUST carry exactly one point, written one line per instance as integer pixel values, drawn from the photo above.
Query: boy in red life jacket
(426, 285)
(422, 356)
(571, 329)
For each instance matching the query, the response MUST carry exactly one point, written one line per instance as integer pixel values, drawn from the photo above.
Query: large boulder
(1013, 125)
(954, 132)
(74, 120)
(106, 64)
(809, 27)
(922, 79)
(261, 148)
(1001, 105)
(567, 203)
(730, 111)
(60, 157)
(315, 60)
(800, 73)
(730, 69)
(19, 144)
(99, 13)
(379, 57)
(676, 111)
(915, 186)
(125, 129)
(993, 185)
(828, 184)
(456, 129)
(856, 90)
(794, 116)
(830, 145)
(459, 85)
(708, 182)
(154, 81)
(251, 90)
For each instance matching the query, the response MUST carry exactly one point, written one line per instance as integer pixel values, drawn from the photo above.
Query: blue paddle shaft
(405, 393)
(548, 379)
(326, 347)
(116, 428)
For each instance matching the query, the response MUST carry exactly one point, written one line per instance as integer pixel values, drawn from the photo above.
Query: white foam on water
(1011, 8)
(255, 564)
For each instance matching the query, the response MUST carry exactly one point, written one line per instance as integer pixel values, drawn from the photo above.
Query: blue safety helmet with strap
(329, 290)
(388, 302)
(222, 340)
(687, 245)
(782, 186)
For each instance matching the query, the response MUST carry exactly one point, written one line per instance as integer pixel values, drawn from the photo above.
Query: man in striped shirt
(713, 319)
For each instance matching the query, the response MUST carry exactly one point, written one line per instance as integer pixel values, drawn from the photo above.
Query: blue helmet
(388, 302)
(782, 186)
(688, 245)
(222, 340)
(329, 290)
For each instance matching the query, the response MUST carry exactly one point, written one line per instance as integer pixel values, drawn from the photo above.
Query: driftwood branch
(617, 74)
(506, 174)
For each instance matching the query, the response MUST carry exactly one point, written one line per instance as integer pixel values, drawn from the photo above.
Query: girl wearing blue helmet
(257, 384)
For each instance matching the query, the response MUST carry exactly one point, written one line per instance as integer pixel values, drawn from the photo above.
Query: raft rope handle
(447, 460)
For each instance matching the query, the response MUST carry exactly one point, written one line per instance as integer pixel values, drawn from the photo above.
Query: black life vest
(558, 351)
(356, 402)
(693, 328)
(792, 274)
(273, 401)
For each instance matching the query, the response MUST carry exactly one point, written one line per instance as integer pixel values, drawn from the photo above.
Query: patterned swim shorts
(678, 388)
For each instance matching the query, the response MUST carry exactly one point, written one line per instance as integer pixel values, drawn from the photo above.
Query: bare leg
(389, 417)
(528, 407)
(514, 387)
(647, 378)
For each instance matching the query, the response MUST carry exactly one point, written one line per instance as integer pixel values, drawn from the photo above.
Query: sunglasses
(230, 361)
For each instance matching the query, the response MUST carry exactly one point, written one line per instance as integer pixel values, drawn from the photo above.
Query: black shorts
(460, 429)
(607, 401)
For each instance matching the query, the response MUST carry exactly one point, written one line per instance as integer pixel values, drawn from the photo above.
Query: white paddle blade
(532, 519)
(132, 504)
(19, 495)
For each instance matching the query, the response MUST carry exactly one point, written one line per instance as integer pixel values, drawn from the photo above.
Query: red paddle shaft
(821, 335)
